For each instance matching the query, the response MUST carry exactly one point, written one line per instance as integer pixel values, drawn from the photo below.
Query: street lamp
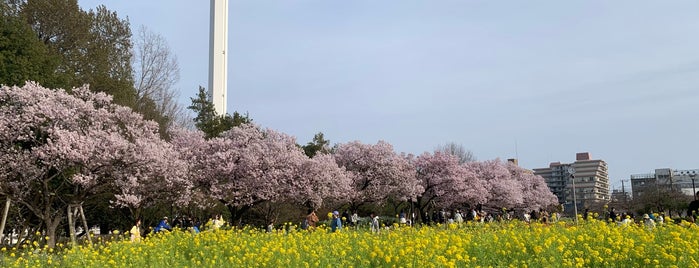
(571, 171)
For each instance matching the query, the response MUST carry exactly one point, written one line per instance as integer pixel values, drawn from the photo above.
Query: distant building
(591, 181)
(664, 179)
(620, 196)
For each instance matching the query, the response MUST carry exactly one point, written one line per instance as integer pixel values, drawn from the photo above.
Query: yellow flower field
(514, 244)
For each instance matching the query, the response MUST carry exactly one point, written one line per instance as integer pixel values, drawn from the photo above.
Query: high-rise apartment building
(591, 181)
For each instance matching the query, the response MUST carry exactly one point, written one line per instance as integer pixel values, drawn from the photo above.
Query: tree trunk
(420, 210)
(51, 227)
(237, 213)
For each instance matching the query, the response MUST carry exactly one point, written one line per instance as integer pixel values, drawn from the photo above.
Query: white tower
(218, 64)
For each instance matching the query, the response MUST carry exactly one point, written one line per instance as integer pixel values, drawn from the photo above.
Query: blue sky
(537, 80)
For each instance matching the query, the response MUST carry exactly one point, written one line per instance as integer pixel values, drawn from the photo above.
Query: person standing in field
(354, 219)
(612, 215)
(335, 222)
(374, 223)
(458, 218)
(311, 219)
(136, 231)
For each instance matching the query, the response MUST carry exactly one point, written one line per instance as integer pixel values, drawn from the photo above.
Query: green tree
(109, 56)
(207, 119)
(64, 29)
(59, 45)
(22, 56)
(92, 47)
(319, 144)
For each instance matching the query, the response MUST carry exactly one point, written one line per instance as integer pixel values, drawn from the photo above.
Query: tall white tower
(218, 63)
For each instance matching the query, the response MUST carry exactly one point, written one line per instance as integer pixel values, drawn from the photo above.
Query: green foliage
(22, 56)
(59, 45)
(149, 109)
(208, 120)
(109, 56)
(319, 144)
(90, 47)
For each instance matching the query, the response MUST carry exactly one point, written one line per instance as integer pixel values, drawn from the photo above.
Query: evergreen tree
(319, 144)
(92, 47)
(23, 56)
(208, 120)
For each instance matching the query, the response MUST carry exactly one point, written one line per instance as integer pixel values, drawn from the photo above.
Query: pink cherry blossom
(377, 172)
(58, 149)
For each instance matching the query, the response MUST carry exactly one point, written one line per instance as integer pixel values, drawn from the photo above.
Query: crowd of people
(180, 222)
(346, 219)
(442, 216)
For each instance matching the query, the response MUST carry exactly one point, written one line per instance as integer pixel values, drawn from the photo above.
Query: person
(335, 222)
(534, 216)
(192, 225)
(661, 219)
(544, 215)
(345, 217)
(612, 214)
(374, 223)
(270, 226)
(648, 222)
(628, 220)
(311, 219)
(355, 219)
(218, 221)
(586, 214)
(196, 225)
(527, 217)
(163, 225)
(402, 218)
(177, 222)
(693, 209)
(136, 231)
(457, 217)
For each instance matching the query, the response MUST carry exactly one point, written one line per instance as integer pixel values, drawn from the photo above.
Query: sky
(535, 80)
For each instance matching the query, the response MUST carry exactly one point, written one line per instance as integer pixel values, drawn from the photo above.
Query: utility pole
(623, 191)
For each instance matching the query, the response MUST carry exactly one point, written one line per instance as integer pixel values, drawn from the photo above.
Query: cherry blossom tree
(320, 180)
(378, 173)
(536, 193)
(445, 182)
(57, 149)
(503, 190)
(246, 166)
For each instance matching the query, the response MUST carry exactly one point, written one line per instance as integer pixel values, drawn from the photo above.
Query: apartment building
(591, 181)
